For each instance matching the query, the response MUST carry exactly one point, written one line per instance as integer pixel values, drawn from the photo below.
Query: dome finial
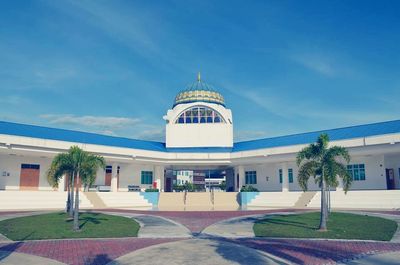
(198, 77)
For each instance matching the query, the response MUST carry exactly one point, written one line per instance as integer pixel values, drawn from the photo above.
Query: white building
(199, 137)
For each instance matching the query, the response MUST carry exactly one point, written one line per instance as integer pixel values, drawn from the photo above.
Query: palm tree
(76, 164)
(320, 162)
(62, 166)
(85, 165)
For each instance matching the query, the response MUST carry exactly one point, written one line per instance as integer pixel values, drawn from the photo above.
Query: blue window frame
(147, 177)
(251, 177)
(290, 173)
(357, 171)
(30, 166)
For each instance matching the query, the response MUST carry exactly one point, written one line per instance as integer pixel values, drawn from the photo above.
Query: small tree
(62, 166)
(80, 167)
(319, 161)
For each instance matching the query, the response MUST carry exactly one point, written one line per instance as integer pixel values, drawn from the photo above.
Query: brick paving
(316, 252)
(83, 252)
(297, 251)
(196, 221)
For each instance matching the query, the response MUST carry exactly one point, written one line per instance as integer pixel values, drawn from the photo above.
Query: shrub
(151, 190)
(248, 188)
(178, 187)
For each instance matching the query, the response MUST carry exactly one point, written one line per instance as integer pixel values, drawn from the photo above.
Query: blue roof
(351, 132)
(76, 136)
(358, 131)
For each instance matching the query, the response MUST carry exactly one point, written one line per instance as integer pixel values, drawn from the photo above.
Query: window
(290, 173)
(280, 175)
(147, 177)
(199, 115)
(30, 166)
(251, 177)
(356, 171)
(108, 169)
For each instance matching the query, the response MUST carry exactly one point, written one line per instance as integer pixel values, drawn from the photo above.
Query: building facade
(199, 139)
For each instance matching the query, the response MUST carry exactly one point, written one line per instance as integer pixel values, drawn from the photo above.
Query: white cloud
(317, 62)
(244, 135)
(98, 124)
(13, 100)
(108, 125)
(102, 121)
(153, 134)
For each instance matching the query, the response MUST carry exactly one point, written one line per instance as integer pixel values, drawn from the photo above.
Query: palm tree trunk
(71, 205)
(322, 224)
(68, 195)
(76, 211)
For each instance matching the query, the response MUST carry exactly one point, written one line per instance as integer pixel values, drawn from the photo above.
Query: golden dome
(199, 92)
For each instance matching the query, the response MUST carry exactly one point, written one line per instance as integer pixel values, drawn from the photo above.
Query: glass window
(251, 177)
(200, 115)
(147, 177)
(290, 173)
(30, 166)
(356, 171)
(280, 175)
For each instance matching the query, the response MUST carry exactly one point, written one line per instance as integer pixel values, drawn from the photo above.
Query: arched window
(200, 114)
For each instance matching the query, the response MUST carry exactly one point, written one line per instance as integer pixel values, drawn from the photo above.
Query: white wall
(130, 174)
(271, 171)
(199, 134)
(375, 175)
(393, 161)
(12, 165)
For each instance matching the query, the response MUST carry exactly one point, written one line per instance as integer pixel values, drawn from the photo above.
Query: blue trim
(200, 101)
(151, 197)
(247, 197)
(359, 131)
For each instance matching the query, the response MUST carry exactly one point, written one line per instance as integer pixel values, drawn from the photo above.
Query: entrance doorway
(107, 181)
(198, 179)
(29, 178)
(390, 182)
(168, 185)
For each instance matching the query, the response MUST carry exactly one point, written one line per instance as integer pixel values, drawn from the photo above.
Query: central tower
(199, 118)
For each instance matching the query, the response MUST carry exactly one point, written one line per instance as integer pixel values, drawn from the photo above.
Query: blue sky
(284, 67)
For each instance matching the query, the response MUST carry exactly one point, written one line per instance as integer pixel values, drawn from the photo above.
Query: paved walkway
(229, 239)
(196, 221)
(198, 251)
(15, 258)
(392, 258)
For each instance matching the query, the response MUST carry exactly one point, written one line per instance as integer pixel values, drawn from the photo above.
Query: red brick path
(83, 252)
(316, 252)
(196, 221)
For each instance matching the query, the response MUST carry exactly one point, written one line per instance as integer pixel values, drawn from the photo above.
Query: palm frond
(307, 170)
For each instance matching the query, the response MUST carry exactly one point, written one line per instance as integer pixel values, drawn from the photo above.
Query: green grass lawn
(58, 225)
(340, 226)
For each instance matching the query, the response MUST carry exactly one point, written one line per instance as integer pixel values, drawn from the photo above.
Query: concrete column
(340, 185)
(159, 176)
(61, 184)
(285, 178)
(240, 171)
(114, 178)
